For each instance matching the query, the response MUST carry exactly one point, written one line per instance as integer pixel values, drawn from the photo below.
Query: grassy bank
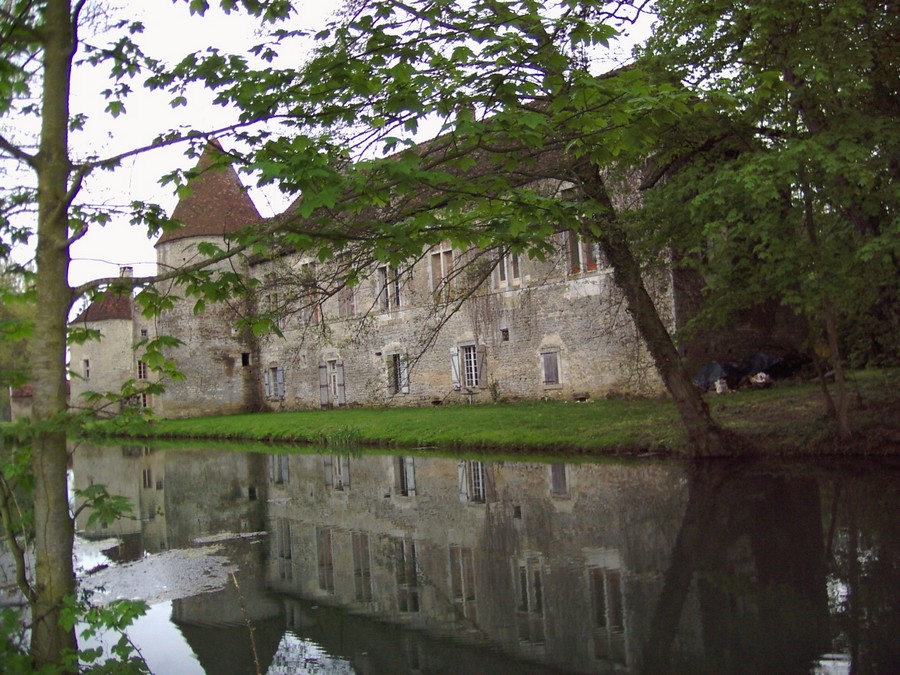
(785, 419)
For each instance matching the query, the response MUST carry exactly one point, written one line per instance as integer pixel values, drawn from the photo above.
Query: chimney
(126, 272)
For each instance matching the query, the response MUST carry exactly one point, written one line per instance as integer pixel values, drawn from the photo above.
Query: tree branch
(16, 550)
(17, 152)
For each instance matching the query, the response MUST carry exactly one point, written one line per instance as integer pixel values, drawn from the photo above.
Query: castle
(452, 326)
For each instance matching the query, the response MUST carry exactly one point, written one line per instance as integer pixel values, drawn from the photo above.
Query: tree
(37, 52)
(784, 174)
(508, 85)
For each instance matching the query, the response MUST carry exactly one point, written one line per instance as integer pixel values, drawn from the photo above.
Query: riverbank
(787, 419)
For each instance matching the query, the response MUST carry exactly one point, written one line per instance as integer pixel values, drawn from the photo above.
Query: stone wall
(576, 318)
(102, 365)
(215, 357)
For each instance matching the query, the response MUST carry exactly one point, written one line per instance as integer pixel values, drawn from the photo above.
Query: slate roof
(218, 203)
(107, 307)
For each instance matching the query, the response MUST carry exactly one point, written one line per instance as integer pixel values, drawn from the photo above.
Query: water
(358, 563)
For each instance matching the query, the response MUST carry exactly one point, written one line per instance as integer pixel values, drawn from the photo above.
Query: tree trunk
(54, 529)
(843, 416)
(704, 435)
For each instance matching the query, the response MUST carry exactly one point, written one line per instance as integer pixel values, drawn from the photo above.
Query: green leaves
(104, 508)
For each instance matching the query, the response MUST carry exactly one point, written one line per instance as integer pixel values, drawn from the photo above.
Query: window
(473, 481)
(145, 400)
(143, 332)
(274, 383)
(530, 608)
(467, 366)
(405, 474)
(147, 478)
(141, 370)
(608, 614)
(308, 295)
(470, 366)
(462, 579)
(325, 555)
(362, 566)
(388, 281)
(337, 472)
(550, 368)
(245, 359)
(582, 254)
(442, 273)
(87, 369)
(283, 549)
(279, 469)
(558, 482)
(398, 374)
(347, 301)
(504, 334)
(509, 270)
(331, 384)
(406, 563)
(274, 308)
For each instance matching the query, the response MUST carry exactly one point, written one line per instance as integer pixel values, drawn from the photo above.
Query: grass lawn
(787, 418)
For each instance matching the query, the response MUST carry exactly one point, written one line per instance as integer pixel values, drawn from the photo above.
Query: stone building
(450, 326)
(104, 364)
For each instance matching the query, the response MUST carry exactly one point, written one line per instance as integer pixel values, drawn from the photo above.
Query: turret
(217, 360)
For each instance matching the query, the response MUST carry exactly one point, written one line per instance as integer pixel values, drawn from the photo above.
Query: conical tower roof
(107, 307)
(218, 203)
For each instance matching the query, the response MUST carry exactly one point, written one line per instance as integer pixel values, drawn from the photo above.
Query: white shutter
(410, 476)
(463, 483)
(279, 383)
(268, 384)
(323, 385)
(404, 374)
(329, 470)
(480, 370)
(341, 393)
(454, 366)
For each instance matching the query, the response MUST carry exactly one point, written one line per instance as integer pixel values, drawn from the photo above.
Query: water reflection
(381, 564)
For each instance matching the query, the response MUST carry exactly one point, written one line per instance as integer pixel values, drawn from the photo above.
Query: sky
(170, 32)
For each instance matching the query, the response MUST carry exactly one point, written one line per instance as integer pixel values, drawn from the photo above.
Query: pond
(368, 563)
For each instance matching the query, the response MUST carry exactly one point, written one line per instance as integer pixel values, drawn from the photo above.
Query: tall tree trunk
(54, 530)
(705, 436)
(841, 411)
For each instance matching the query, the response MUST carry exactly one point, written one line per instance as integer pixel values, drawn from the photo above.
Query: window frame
(509, 270)
(346, 297)
(545, 355)
(388, 296)
(273, 383)
(582, 256)
(398, 373)
(441, 267)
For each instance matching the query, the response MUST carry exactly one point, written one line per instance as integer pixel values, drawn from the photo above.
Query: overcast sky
(171, 32)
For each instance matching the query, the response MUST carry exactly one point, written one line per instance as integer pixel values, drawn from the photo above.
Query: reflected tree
(751, 551)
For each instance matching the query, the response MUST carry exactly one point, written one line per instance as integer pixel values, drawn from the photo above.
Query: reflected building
(403, 563)
(544, 560)
(137, 473)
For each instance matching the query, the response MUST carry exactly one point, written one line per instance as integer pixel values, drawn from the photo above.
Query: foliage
(16, 332)
(781, 183)
(509, 87)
